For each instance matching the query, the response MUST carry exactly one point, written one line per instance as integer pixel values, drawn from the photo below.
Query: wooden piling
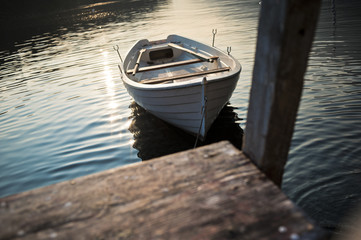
(213, 192)
(285, 33)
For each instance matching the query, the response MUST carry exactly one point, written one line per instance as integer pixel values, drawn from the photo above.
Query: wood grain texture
(167, 65)
(187, 75)
(285, 35)
(213, 192)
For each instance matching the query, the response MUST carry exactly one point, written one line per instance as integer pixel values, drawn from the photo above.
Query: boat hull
(184, 107)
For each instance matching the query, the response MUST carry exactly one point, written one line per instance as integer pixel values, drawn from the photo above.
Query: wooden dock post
(285, 33)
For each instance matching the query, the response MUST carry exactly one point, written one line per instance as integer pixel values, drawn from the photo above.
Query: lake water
(64, 112)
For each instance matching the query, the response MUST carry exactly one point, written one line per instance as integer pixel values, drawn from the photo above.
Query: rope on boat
(200, 127)
(203, 111)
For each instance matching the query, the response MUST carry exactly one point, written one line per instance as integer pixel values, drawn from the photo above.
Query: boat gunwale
(178, 85)
(196, 81)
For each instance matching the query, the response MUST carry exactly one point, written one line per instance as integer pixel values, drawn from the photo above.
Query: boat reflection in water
(154, 137)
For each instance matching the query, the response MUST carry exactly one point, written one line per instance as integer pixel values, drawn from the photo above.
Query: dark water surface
(64, 112)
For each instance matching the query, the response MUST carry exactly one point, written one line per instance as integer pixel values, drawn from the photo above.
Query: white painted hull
(181, 103)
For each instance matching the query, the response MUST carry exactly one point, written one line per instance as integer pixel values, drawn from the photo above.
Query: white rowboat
(181, 81)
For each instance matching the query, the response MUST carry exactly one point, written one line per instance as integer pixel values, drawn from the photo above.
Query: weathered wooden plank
(213, 192)
(136, 67)
(186, 75)
(285, 34)
(198, 55)
(167, 65)
(170, 64)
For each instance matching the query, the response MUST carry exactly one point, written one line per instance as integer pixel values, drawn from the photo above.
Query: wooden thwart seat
(176, 77)
(200, 58)
(198, 55)
(171, 64)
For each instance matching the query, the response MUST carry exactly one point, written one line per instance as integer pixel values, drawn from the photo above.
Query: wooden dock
(213, 192)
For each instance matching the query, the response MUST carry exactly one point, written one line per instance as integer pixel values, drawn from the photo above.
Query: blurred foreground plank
(213, 192)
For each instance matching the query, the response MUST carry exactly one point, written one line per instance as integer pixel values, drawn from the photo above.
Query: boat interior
(167, 62)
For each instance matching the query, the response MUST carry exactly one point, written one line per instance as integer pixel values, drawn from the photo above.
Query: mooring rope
(200, 127)
(204, 108)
